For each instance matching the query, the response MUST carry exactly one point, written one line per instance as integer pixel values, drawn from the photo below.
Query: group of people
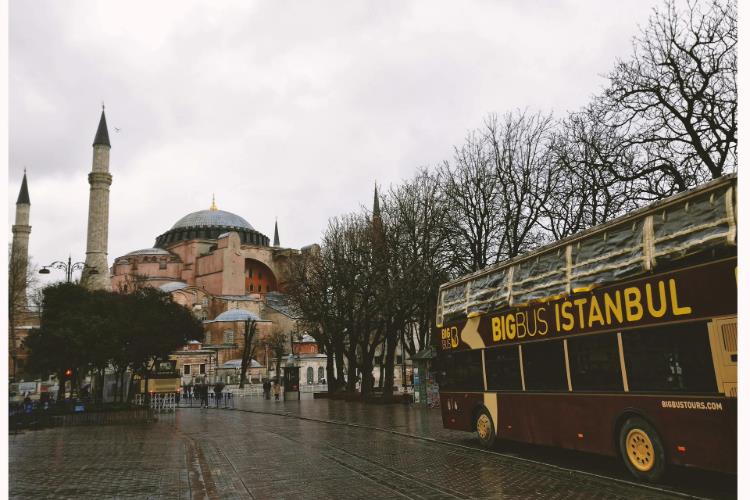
(201, 390)
(267, 387)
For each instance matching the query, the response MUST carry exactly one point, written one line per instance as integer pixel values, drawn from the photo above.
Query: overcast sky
(282, 109)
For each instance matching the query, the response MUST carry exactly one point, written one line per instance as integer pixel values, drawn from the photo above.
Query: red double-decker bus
(621, 340)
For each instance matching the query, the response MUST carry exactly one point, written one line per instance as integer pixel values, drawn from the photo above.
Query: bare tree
(472, 188)
(276, 342)
(675, 100)
(247, 349)
(584, 192)
(519, 150)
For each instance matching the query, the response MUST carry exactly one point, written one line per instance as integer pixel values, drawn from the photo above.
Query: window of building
(399, 359)
(310, 374)
(595, 363)
(208, 338)
(251, 287)
(163, 264)
(321, 373)
(205, 302)
(460, 371)
(203, 369)
(544, 366)
(186, 369)
(669, 359)
(229, 336)
(503, 368)
(377, 360)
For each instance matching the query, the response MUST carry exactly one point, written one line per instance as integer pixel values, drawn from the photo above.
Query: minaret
(377, 221)
(276, 234)
(19, 253)
(98, 225)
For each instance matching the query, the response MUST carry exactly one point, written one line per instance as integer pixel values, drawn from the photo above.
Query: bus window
(503, 371)
(544, 366)
(669, 359)
(461, 371)
(595, 363)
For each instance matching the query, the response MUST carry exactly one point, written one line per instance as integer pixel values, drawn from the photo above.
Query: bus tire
(641, 449)
(485, 428)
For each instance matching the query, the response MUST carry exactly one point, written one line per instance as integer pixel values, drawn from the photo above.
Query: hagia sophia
(215, 263)
(212, 261)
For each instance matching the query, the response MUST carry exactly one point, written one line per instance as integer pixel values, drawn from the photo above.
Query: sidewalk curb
(480, 450)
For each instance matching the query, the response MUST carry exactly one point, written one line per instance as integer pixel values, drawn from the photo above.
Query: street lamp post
(68, 267)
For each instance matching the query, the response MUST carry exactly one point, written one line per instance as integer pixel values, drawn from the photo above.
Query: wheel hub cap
(640, 450)
(483, 427)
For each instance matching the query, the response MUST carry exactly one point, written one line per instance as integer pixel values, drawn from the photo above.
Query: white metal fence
(157, 402)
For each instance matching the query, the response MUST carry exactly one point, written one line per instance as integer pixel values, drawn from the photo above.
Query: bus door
(723, 337)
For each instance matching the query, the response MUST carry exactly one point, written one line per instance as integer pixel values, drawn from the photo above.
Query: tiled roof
(280, 302)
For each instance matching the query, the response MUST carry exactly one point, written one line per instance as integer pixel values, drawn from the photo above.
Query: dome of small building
(172, 286)
(236, 315)
(237, 363)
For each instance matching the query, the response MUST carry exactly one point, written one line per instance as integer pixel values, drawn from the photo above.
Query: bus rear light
(510, 427)
(681, 449)
(580, 435)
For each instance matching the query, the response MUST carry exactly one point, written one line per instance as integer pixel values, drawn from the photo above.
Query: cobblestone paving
(234, 454)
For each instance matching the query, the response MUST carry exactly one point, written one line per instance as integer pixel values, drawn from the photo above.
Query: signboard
(688, 294)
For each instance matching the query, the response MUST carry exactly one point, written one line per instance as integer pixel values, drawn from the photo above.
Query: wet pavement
(248, 453)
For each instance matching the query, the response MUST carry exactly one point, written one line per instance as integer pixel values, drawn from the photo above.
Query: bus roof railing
(638, 242)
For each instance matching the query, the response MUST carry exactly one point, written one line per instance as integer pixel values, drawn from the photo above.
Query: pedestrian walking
(266, 389)
(276, 390)
(204, 394)
(218, 387)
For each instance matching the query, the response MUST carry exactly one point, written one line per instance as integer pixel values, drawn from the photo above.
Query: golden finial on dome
(213, 208)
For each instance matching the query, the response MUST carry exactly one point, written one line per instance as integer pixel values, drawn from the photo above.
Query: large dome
(212, 218)
(210, 224)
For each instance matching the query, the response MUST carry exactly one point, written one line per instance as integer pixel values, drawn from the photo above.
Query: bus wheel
(485, 428)
(641, 449)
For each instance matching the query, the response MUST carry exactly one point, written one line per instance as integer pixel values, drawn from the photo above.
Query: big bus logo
(449, 337)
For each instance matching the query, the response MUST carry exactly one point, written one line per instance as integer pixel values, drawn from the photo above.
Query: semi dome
(236, 315)
(212, 218)
(148, 251)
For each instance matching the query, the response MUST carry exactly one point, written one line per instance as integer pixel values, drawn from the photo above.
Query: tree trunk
(390, 357)
(331, 379)
(339, 355)
(351, 357)
(60, 385)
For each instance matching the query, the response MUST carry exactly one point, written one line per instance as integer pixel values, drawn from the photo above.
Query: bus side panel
(513, 420)
(457, 409)
(705, 429)
(573, 422)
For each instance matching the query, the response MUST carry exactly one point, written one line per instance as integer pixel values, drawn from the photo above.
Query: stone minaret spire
(276, 234)
(19, 253)
(98, 226)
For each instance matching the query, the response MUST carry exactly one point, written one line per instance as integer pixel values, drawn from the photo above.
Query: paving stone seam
(239, 476)
(400, 474)
(456, 445)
